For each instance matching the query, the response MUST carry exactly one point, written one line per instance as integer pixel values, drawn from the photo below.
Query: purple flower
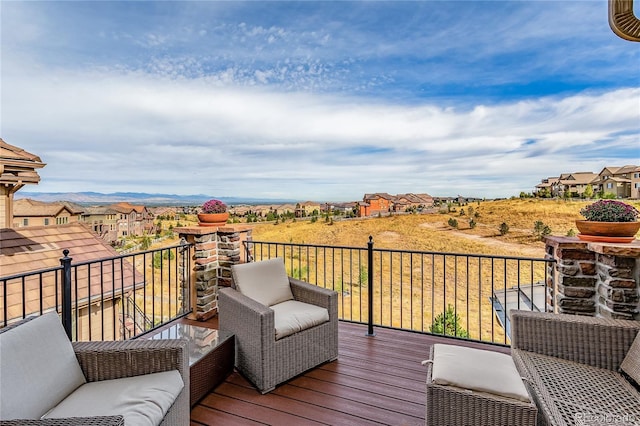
(214, 206)
(610, 211)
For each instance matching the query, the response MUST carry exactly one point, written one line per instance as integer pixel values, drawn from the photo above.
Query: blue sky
(317, 100)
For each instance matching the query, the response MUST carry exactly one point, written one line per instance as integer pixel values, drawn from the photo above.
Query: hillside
(431, 232)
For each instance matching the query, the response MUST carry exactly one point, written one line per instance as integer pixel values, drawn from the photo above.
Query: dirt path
(521, 249)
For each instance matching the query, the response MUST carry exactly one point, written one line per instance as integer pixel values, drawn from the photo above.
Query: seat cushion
(477, 370)
(293, 316)
(142, 400)
(631, 362)
(38, 368)
(266, 281)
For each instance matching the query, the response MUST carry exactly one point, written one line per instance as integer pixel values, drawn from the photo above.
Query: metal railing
(114, 298)
(460, 295)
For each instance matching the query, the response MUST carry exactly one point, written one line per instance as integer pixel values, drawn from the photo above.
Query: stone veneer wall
(595, 279)
(215, 250)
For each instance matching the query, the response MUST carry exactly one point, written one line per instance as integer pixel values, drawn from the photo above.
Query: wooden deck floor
(376, 380)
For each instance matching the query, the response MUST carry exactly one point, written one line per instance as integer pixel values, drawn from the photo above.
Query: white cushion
(38, 368)
(631, 362)
(293, 316)
(266, 281)
(477, 370)
(142, 400)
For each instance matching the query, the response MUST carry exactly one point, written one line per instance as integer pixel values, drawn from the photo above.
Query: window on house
(609, 185)
(46, 221)
(25, 222)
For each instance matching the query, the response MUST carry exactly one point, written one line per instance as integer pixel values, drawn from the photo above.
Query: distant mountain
(93, 198)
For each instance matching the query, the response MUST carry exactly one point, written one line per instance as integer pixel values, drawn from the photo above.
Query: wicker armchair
(113, 360)
(265, 360)
(570, 365)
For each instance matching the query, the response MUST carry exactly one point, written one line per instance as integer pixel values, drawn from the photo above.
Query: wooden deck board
(375, 380)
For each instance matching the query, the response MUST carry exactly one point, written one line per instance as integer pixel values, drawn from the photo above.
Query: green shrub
(503, 228)
(453, 223)
(472, 223)
(158, 259)
(571, 233)
(448, 324)
(540, 230)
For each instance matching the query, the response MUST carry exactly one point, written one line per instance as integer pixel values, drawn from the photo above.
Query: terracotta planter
(607, 231)
(213, 219)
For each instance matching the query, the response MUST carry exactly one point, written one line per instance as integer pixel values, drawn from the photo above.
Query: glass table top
(201, 340)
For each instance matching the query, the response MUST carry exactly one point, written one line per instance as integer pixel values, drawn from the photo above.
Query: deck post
(66, 292)
(370, 332)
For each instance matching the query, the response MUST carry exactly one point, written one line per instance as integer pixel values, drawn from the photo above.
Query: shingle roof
(26, 250)
(17, 166)
(28, 207)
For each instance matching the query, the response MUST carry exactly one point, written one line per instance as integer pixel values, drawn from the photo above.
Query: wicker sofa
(265, 358)
(39, 373)
(571, 365)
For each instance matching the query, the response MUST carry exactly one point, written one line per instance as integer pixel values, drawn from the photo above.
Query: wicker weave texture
(452, 406)
(119, 359)
(570, 364)
(266, 361)
(567, 391)
(597, 342)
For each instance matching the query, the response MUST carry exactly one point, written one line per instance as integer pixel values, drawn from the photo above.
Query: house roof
(378, 195)
(629, 168)
(17, 166)
(415, 198)
(96, 210)
(25, 250)
(125, 207)
(32, 208)
(579, 178)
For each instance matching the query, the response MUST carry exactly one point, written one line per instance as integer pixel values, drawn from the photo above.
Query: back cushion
(38, 368)
(266, 281)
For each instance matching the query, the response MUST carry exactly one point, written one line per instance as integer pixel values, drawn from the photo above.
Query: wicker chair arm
(69, 421)
(598, 342)
(312, 294)
(249, 320)
(114, 360)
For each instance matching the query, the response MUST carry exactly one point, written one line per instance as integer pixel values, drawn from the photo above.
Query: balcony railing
(113, 298)
(461, 295)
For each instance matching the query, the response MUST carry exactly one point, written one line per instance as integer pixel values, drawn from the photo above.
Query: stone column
(215, 250)
(596, 279)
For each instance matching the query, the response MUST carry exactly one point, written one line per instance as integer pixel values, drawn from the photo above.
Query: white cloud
(139, 132)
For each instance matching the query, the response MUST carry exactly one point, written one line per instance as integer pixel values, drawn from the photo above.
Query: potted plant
(608, 221)
(213, 213)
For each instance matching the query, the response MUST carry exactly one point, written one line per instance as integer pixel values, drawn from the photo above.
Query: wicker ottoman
(476, 388)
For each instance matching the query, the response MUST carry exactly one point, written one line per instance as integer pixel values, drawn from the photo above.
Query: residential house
(622, 182)
(576, 183)
(403, 202)
(617, 181)
(373, 204)
(100, 292)
(103, 220)
(635, 183)
(343, 208)
(132, 219)
(548, 186)
(17, 168)
(28, 212)
(306, 208)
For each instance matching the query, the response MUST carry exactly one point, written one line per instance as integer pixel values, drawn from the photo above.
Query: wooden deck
(376, 380)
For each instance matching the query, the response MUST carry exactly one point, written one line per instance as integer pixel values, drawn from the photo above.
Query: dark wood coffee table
(211, 356)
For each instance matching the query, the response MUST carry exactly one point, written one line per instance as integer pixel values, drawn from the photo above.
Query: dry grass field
(410, 290)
